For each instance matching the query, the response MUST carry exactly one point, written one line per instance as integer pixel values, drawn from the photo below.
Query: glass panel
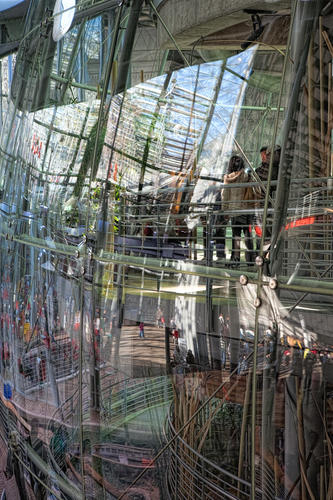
(165, 255)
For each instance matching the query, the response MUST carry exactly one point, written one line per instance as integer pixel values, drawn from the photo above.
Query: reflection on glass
(166, 261)
(63, 12)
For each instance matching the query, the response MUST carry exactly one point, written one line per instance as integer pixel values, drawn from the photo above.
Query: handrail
(140, 406)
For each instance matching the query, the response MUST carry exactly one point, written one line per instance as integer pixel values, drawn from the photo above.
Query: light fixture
(63, 13)
(257, 31)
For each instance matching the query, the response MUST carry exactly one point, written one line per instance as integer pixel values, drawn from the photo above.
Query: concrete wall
(189, 20)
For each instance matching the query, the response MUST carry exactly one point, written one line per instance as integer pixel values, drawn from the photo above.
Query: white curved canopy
(8, 4)
(64, 11)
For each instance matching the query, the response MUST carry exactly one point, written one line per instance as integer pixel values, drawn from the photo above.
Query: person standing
(263, 169)
(233, 200)
(262, 172)
(263, 154)
(176, 336)
(141, 330)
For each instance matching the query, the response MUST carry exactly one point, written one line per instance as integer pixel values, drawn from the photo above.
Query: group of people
(238, 200)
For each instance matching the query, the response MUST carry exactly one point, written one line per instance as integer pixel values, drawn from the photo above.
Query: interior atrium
(166, 257)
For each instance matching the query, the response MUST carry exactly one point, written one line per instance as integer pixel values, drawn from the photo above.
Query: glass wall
(166, 257)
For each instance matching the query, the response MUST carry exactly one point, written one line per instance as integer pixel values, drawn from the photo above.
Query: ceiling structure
(195, 29)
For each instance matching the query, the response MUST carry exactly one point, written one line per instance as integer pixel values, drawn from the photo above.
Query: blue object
(103, 225)
(7, 390)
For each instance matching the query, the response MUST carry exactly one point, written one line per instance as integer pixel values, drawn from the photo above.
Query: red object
(148, 230)
(115, 171)
(258, 231)
(75, 350)
(6, 353)
(36, 146)
(46, 339)
(96, 350)
(305, 221)
(147, 463)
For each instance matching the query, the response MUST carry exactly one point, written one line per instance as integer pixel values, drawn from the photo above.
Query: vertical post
(103, 236)
(10, 70)
(163, 62)
(322, 489)
(300, 434)
(266, 415)
(203, 475)
(176, 471)
(254, 403)
(80, 383)
(291, 468)
(17, 467)
(276, 482)
(321, 87)
(329, 123)
(244, 425)
(167, 332)
(310, 111)
(125, 57)
(311, 132)
(1, 90)
(152, 126)
(209, 306)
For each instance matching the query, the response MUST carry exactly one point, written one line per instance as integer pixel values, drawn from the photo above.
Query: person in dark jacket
(262, 173)
(262, 170)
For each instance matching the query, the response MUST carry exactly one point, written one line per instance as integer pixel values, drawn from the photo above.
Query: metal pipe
(260, 274)
(163, 62)
(321, 84)
(125, 56)
(329, 122)
(284, 178)
(67, 488)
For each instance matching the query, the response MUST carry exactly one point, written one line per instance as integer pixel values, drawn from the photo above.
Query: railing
(199, 230)
(192, 476)
(202, 232)
(121, 402)
(37, 363)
